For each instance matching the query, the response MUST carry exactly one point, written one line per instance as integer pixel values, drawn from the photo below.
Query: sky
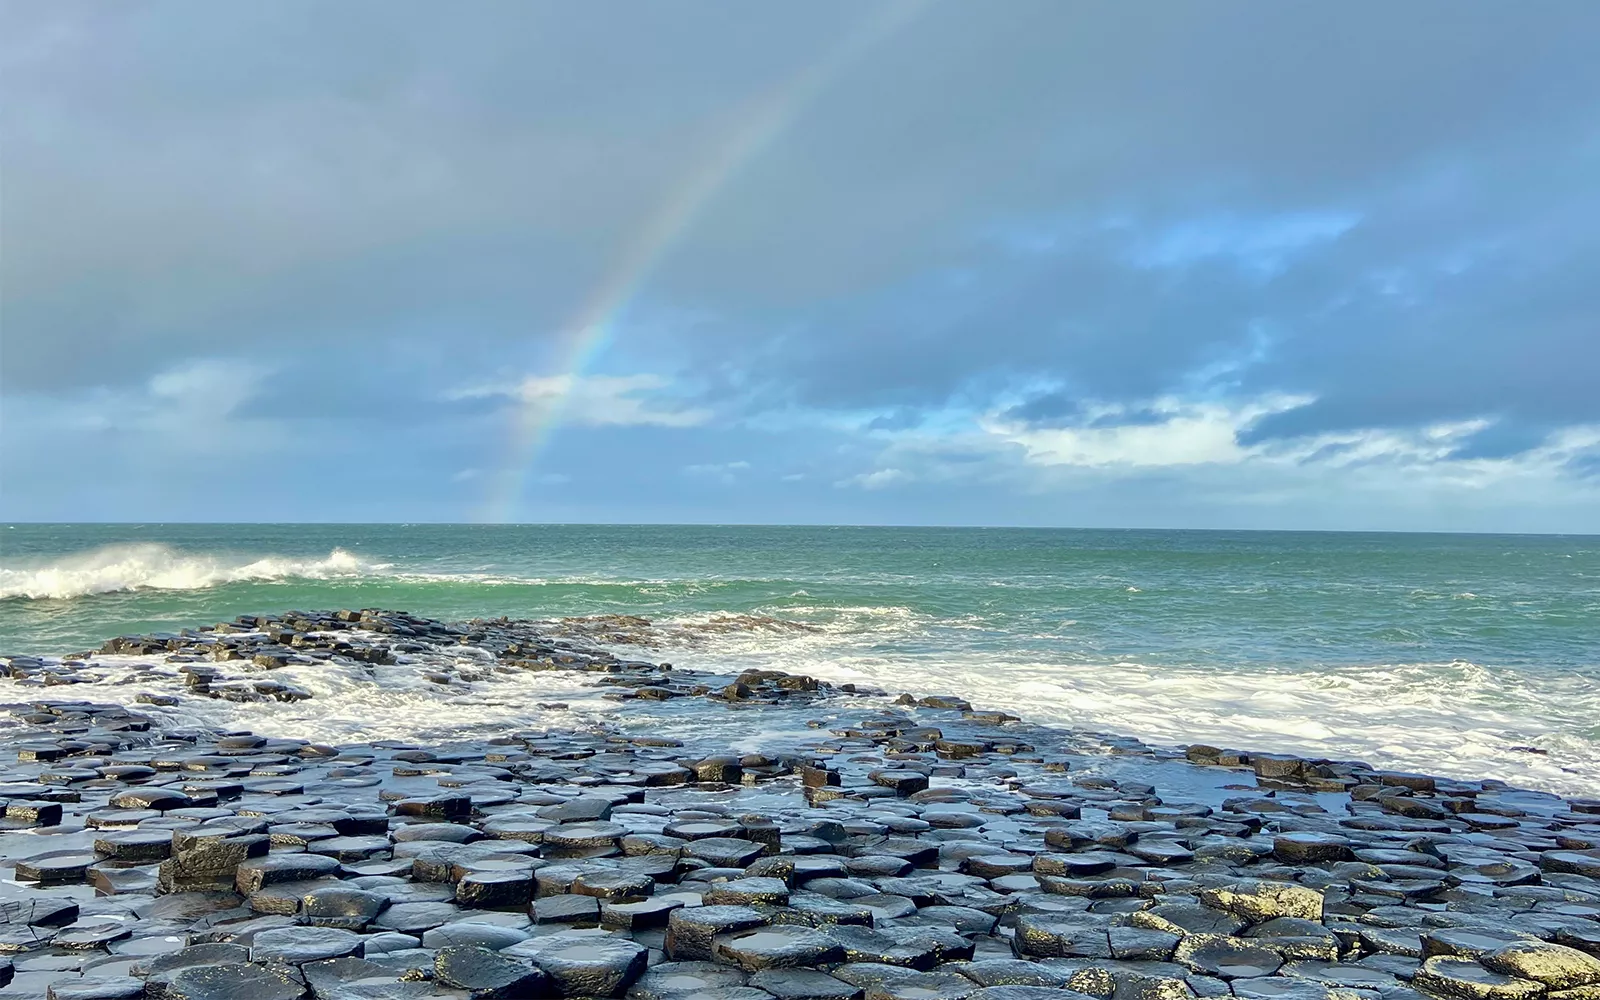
(1211, 264)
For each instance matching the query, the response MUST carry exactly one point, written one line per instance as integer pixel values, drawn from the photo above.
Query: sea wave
(151, 566)
(1456, 718)
(119, 568)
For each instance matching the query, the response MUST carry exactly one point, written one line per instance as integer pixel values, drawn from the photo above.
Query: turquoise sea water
(1441, 652)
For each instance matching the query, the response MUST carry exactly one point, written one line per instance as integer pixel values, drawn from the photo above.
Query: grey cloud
(1391, 208)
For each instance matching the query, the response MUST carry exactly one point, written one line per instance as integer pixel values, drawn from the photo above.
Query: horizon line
(776, 524)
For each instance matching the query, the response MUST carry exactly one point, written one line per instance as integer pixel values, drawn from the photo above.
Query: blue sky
(1201, 265)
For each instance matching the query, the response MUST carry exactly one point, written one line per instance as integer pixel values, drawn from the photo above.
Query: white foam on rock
(1457, 719)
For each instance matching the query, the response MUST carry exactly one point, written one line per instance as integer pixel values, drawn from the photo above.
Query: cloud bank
(1235, 266)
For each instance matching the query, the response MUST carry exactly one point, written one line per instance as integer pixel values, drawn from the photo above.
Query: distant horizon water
(1473, 655)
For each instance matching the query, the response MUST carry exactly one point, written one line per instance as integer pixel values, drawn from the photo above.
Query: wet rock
(783, 947)
(96, 988)
(495, 889)
(803, 984)
(683, 980)
(1262, 900)
(256, 873)
(567, 908)
(1556, 966)
(342, 906)
(579, 964)
(1045, 937)
(473, 932)
(748, 891)
(488, 974)
(1025, 993)
(1226, 957)
(1310, 848)
(231, 982)
(298, 945)
(1462, 978)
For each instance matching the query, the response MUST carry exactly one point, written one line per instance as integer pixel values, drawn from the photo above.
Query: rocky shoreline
(907, 848)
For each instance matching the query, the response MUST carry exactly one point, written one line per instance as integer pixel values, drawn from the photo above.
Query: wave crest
(117, 568)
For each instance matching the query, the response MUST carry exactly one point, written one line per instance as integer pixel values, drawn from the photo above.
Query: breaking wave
(119, 568)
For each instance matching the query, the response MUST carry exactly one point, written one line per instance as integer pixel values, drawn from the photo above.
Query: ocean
(1463, 655)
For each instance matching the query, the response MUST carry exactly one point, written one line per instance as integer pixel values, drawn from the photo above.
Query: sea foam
(159, 567)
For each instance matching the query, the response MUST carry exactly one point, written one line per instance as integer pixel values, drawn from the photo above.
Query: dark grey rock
(691, 931)
(1448, 976)
(231, 982)
(298, 945)
(579, 963)
(784, 947)
(488, 974)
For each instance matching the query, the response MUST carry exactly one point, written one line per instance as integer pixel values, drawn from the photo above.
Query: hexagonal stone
(1025, 993)
(469, 932)
(1466, 942)
(40, 911)
(583, 809)
(1045, 937)
(581, 839)
(492, 890)
(1012, 972)
(617, 886)
(682, 980)
(1227, 957)
(343, 906)
(1586, 863)
(918, 948)
(692, 931)
(1448, 976)
(1307, 847)
(93, 932)
(567, 908)
(580, 963)
(1263, 900)
(701, 829)
(488, 974)
(1075, 865)
(1138, 944)
(96, 988)
(55, 869)
(414, 918)
(724, 852)
(231, 982)
(351, 849)
(784, 947)
(652, 912)
(255, 873)
(298, 945)
(1186, 918)
(135, 845)
(1556, 966)
(803, 984)
(817, 910)
(748, 891)
(904, 783)
(161, 799)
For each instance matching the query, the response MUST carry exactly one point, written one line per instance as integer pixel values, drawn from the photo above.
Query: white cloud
(596, 400)
(1170, 432)
(878, 480)
(1374, 476)
(725, 472)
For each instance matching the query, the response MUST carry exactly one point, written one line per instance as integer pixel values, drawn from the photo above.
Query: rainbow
(536, 415)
